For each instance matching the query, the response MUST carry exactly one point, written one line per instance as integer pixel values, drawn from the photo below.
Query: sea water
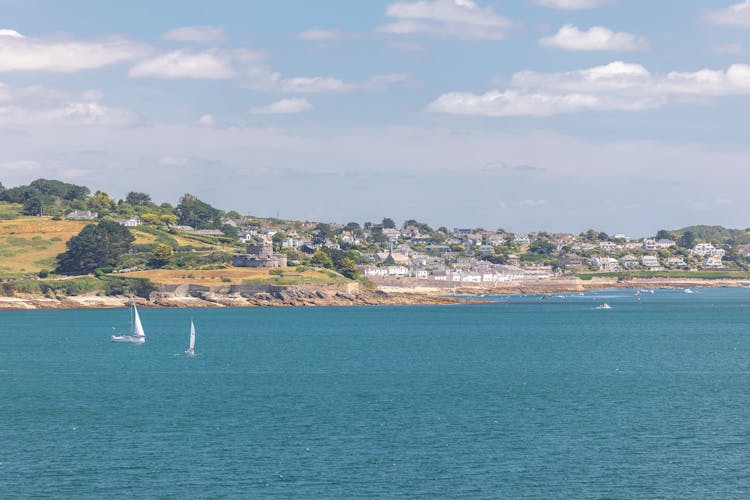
(522, 397)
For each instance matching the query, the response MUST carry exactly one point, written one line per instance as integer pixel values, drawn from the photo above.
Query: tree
(33, 206)
(149, 218)
(193, 212)
(321, 259)
(687, 240)
(277, 239)
(230, 231)
(591, 234)
(423, 228)
(322, 232)
(138, 199)
(542, 247)
(663, 234)
(388, 223)
(232, 214)
(101, 202)
(348, 268)
(170, 219)
(602, 236)
(161, 255)
(97, 245)
(60, 189)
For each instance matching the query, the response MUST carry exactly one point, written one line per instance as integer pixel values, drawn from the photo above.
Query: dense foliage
(198, 214)
(44, 195)
(96, 246)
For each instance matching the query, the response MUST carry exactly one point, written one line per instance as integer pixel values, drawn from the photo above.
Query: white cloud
(283, 107)
(71, 113)
(262, 79)
(634, 80)
(206, 121)
(572, 4)
(446, 18)
(325, 35)
(597, 38)
(197, 34)
(19, 53)
(11, 33)
(735, 15)
(210, 64)
(524, 103)
(616, 86)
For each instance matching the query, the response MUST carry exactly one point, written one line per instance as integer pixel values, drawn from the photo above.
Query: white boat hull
(130, 339)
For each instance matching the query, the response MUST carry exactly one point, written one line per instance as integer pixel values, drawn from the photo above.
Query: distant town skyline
(558, 115)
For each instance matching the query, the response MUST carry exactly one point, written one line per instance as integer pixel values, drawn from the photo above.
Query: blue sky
(624, 115)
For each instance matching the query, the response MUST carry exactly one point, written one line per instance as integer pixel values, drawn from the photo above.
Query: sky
(623, 115)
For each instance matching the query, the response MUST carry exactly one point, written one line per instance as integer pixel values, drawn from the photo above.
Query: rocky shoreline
(288, 298)
(387, 295)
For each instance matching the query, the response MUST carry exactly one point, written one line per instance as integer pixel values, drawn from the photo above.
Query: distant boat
(137, 335)
(688, 290)
(604, 306)
(191, 350)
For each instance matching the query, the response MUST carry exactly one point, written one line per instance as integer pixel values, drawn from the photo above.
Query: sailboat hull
(130, 339)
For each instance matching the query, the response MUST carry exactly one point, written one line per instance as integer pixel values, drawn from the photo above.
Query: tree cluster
(96, 246)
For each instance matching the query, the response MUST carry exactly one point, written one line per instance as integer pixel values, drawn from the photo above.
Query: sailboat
(137, 335)
(191, 350)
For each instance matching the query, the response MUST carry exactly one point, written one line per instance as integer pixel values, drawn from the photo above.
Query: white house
(608, 246)
(486, 250)
(676, 261)
(128, 222)
(665, 243)
(712, 262)
(87, 215)
(702, 249)
(390, 271)
(629, 261)
(606, 264)
(650, 261)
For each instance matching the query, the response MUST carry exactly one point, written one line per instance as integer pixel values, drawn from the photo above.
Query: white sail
(137, 335)
(137, 326)
(192, 335)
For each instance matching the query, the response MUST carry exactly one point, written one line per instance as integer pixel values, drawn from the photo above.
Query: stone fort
(259, 255)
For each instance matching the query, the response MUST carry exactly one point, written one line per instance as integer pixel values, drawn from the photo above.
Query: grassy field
(30, 244)
(237, 276)
(10, 210)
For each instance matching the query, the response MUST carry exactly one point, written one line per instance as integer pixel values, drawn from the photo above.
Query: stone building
(259, 255)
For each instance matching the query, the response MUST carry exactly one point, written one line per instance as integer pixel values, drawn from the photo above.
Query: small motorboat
(603, 306)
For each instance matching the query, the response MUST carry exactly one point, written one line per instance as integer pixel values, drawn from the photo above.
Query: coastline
(386, 295)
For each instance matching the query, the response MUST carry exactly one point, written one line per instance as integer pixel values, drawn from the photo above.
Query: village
(386, 254)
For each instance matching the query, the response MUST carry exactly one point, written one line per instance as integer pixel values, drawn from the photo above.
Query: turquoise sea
(519, 398)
